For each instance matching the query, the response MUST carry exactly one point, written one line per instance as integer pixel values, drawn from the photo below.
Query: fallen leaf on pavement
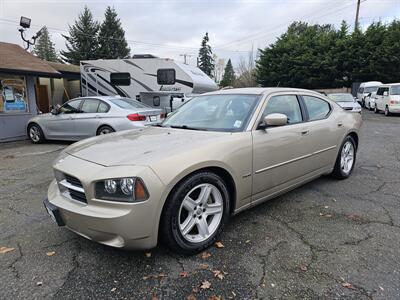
(195, 290)
(248, 241)
(328, 215)
(381, 288)
(219, 245)
(219, 274)
(4, 250)
(347, 285)
(148, 254)
(205, 285)
(303, 268)
(204, 266)
(353, 217)
(183, 274)
(214, 298)
(273, 284)
(39, 283)
(156, 276)
(205, 255)
(326, 206)
(51, 253)
(113, 289)
(191, 297)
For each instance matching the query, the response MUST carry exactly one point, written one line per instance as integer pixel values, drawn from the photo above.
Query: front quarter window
(70, 107)
(228, 112)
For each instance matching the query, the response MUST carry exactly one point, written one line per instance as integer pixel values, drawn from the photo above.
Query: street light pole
(25, 23)
(357, 14)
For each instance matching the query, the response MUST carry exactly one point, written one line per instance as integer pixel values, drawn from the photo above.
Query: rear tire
(387, 112)
(105, 129)
(191, 223)
(346, 159)
(35, 133)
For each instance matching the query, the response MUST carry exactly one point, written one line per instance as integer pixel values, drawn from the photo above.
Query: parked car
(84, 117)
(346, 101)
(217, 155)
(369, 101)
(388, 99)
(366, 88)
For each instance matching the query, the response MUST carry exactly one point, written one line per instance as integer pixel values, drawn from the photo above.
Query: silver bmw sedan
(84, 117)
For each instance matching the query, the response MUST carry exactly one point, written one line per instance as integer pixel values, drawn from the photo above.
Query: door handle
(339, 124)
(304, 132)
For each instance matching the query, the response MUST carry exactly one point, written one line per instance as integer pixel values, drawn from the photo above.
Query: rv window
(166, 76)
(120, 78)
(156, 101)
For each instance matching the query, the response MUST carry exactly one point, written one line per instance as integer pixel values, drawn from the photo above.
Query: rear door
(324, 131)
(87, 121)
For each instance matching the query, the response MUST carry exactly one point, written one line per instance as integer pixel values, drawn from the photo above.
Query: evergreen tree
(206, 60)
(229, 75)
(112, 42)
(82, 43)
(44, 47)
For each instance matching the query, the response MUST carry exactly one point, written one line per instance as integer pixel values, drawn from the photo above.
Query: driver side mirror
(275, 119)
(55, 110)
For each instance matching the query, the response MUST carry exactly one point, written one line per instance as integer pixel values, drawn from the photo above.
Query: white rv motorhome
(158, 82)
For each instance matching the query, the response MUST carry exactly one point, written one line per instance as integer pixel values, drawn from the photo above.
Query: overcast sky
(168, 28)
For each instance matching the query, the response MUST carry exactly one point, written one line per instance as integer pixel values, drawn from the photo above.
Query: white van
(387, 99)
(366, 88)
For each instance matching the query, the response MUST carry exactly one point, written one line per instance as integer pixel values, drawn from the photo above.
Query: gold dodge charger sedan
(219, 154)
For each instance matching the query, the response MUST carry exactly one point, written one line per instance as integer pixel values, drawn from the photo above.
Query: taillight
(136, 117)
(394, 102)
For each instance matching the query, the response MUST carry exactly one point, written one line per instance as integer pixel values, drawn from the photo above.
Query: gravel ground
(328, 239)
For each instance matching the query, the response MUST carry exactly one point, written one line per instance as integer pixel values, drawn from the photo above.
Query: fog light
(110, 186)
(127, 186)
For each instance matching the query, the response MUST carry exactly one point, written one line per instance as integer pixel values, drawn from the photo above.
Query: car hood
(348, 104)
(142, 146)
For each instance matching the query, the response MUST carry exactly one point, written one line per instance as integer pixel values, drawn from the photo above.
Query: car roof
(340, 94)
(389, 84)
(370, 83)
(260, 91)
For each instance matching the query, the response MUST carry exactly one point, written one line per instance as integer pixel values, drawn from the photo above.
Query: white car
(388, 99)
(346, 101)
(84, 117)
(366, 88)
(369, 101)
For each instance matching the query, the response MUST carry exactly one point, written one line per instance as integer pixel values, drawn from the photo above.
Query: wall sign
(13, 96)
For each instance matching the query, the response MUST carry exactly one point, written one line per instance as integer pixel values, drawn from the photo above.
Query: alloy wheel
(200, 213)
(34, 134)
(347, 157)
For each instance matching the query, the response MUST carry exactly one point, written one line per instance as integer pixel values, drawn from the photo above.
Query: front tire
(195, 213)
(346, 159)
(35, 133)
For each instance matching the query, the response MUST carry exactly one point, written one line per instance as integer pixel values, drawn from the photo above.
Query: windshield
(395, 90)
(127, 103)
(370, 89)
(214, 112)
(341, 97)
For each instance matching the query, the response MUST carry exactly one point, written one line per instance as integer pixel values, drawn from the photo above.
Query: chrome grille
(71, 187)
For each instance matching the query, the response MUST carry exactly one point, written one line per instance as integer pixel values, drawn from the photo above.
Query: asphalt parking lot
(328, 239)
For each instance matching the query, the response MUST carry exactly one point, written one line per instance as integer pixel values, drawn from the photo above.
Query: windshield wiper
(186, 127)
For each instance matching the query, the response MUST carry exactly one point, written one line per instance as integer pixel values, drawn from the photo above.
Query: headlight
(128, 189)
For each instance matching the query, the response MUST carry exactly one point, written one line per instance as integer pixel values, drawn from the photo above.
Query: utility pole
(357, 14)
(184, 57)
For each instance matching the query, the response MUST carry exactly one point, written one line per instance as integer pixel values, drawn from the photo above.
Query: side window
(285, 104)
(90, 106)
(386, 89)
(103, 108)
(380, 91)
(317, 108)
(70, 107)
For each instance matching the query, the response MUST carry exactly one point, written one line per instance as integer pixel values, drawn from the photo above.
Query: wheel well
(103, 125)
(226, 177)
(355, 137)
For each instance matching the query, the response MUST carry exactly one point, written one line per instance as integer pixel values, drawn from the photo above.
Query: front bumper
(117, 224)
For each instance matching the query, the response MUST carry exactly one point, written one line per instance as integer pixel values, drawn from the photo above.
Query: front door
(280, 154)
(62, 125)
